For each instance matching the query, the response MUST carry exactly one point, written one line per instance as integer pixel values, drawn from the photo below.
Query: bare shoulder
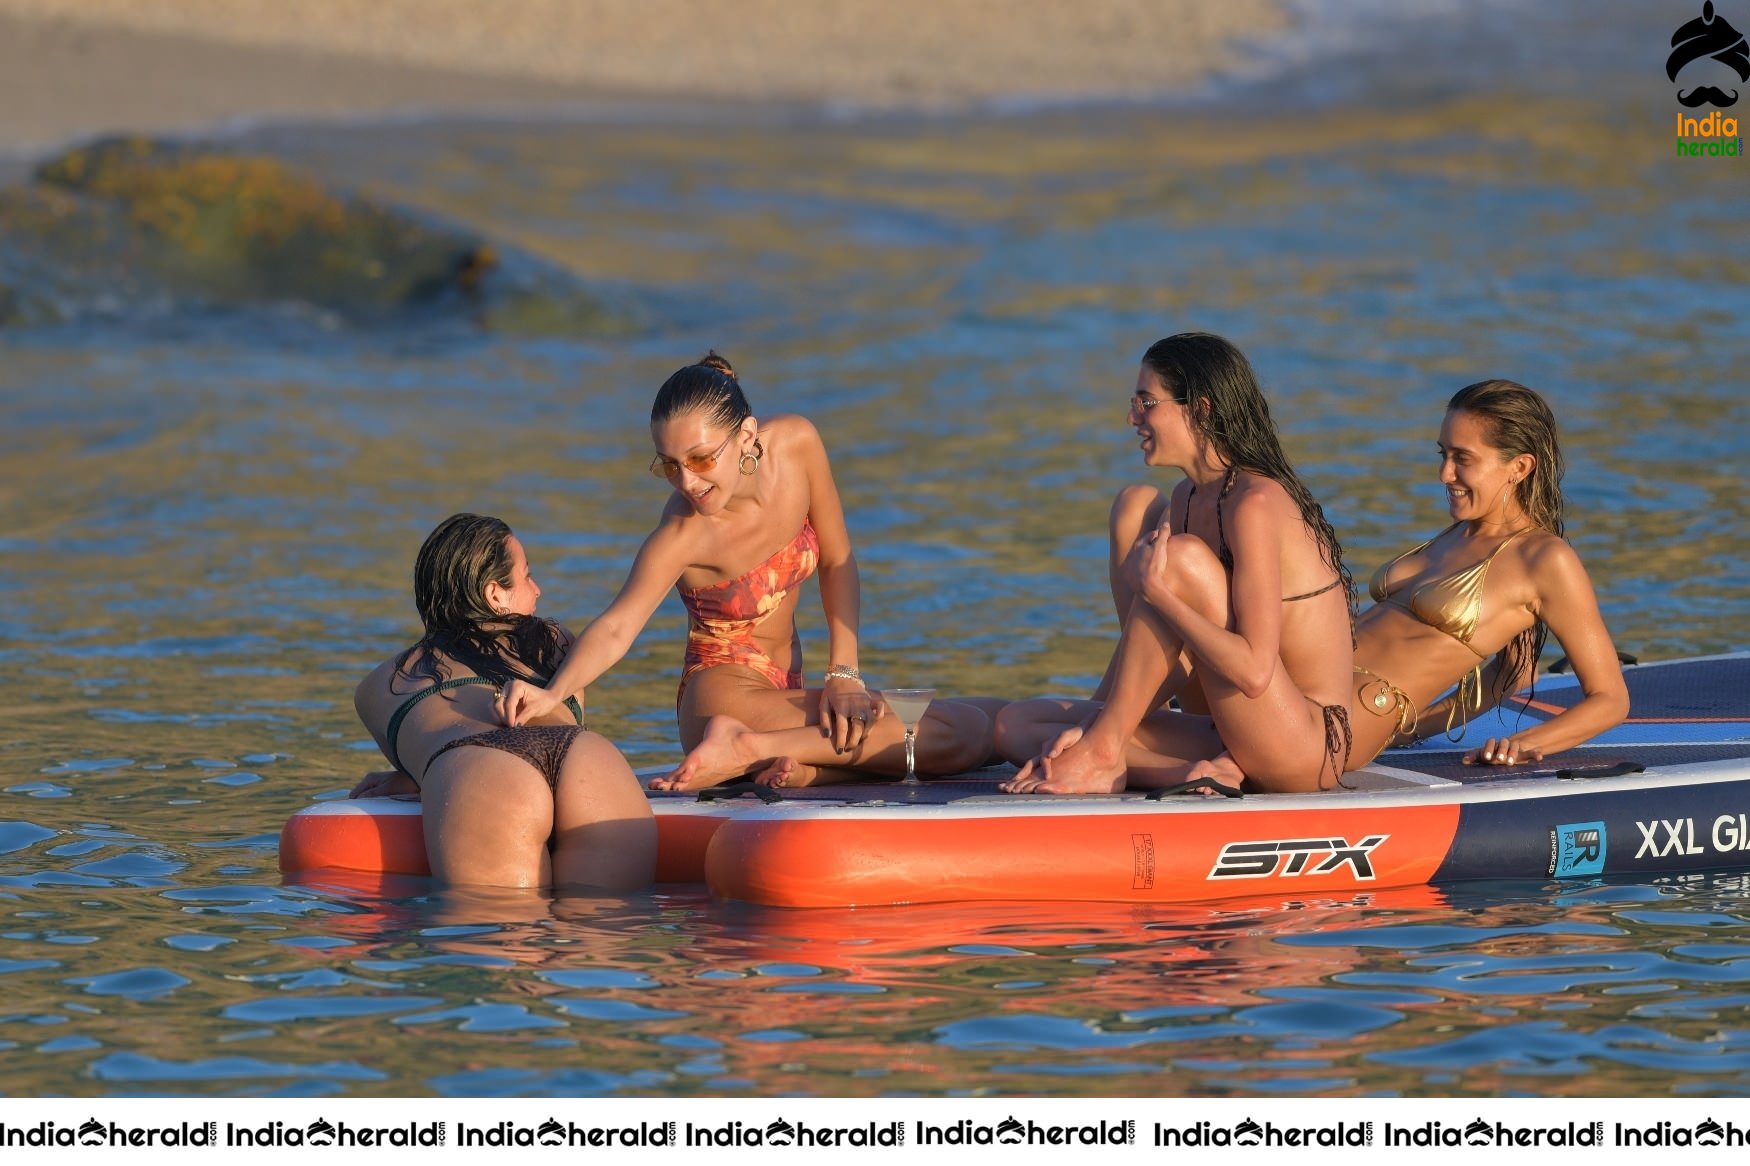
(376, 688)
(379, 678)
(680, 538)
(1256, 498)
(1552, 562)
(791, 433)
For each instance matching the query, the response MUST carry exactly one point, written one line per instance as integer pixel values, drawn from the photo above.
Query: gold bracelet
(844, 672)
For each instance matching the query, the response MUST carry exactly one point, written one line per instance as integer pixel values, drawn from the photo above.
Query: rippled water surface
(211, 516)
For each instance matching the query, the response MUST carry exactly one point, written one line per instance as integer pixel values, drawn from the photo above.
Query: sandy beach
(73, 68)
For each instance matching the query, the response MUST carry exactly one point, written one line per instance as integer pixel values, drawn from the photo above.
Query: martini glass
(909, 705)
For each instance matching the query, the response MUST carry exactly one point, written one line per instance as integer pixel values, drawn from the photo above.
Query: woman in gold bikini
(1470, 609)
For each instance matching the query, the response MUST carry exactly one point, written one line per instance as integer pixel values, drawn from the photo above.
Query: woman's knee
(954, 738)
(1022, 727)
(1192, 572)
(1009, 725)
(1135, 509)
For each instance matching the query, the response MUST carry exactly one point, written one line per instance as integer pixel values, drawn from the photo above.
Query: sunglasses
(699, 463)
(1144, 404)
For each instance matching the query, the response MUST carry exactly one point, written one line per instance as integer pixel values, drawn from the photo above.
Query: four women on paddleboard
(1240, 659)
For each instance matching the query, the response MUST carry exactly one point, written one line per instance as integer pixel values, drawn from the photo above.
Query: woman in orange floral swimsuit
(754, 512)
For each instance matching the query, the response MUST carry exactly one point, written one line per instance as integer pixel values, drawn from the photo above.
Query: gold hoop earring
(747, 470)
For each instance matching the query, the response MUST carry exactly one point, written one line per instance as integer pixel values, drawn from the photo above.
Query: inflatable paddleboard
(1668, 790)
(385, 836)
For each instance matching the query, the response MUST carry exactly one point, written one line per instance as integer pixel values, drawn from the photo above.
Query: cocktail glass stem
(910, 705)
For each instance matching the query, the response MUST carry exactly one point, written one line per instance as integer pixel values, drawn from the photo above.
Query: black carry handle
(1620, 769)
(734, 789)
(1189, 788)
(1561, 664)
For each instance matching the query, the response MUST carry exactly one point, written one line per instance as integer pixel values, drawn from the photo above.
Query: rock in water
(130, 220)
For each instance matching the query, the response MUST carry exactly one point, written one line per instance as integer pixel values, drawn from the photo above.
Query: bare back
(435, 720)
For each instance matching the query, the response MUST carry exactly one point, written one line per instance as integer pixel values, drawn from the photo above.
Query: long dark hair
(456, 562)
(1518, 421)
(1198, 367)
(709, 385)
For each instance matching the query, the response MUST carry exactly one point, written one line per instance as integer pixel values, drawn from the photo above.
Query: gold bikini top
(1454, 604)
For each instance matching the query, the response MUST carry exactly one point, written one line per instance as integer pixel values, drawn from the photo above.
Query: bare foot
(804, 774)
(1225, 770)
(1080, 769)
(725, 752)
(1062, 741)
(784, 772)
(1222, 770)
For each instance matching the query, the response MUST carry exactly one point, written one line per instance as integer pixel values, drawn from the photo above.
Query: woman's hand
(1146, 567)
(1063, 741)
(1050, 750)
(1503, 751)
(846, 712)
(1134, 568)
(384, 783)
(521, 703)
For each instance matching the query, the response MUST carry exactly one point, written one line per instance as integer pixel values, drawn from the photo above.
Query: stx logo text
(1292, 857)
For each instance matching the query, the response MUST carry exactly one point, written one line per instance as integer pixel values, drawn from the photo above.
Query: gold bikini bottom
(1382, 698)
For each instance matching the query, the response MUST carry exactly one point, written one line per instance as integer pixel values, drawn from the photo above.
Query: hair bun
(714, 359)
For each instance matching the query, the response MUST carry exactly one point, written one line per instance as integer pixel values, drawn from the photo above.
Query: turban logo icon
(1709, 36)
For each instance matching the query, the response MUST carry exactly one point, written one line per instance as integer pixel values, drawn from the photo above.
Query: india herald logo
(1711, 37)
(1291, 857)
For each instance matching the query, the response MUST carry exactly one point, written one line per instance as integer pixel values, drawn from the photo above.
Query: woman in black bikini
(1234, 599)
(538, 805)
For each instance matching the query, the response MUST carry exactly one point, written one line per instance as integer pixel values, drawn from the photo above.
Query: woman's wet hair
(1518, 421)
(1216, 384)
(450, 574)
(709, 386)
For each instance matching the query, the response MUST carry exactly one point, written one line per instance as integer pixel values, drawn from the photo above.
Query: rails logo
(1709, 50)
(1578, 848)
(1292, 856)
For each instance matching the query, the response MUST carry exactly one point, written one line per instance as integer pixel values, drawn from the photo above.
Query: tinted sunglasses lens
(698, 463)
